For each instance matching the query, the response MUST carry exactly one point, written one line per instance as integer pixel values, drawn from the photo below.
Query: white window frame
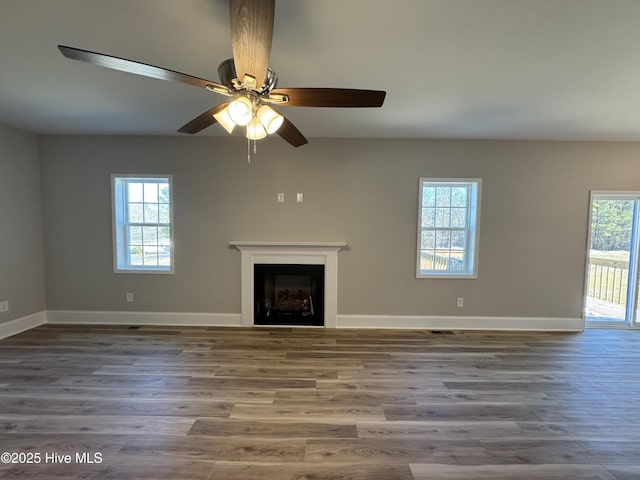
(119, 225)
(472, 229)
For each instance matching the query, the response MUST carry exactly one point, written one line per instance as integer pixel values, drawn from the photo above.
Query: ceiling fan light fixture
(224, 119)
(241, 110)
(256, 130)
(271, 119)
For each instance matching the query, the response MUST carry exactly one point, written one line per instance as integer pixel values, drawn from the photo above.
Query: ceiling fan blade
(331, 97)
(251, 34)
(203, 120)
(138, 68)
(290, 133)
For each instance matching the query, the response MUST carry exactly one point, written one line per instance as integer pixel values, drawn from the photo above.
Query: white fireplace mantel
(304, 253)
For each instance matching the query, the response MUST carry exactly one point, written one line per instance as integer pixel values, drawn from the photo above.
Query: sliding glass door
(611, 291)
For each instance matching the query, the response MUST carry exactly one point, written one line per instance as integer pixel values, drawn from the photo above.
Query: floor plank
(106, 406)
(438, 430)
(510, 472)
(226, 471)
(306, 411)
(624, 472)
(272, 429)
(460, 411)
(96, 424)
(140, 469)
(218, 448)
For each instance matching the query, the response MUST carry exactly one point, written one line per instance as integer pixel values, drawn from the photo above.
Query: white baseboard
(433, 322)
(145, 318)
(419, 322)
(13, 327)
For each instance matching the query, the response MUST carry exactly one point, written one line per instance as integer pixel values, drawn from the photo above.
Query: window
(448, 216)
(142, 224)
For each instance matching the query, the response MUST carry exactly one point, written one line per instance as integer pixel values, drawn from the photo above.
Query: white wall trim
(18, 325)
(419, 322)
(145, 318)
(434, 322)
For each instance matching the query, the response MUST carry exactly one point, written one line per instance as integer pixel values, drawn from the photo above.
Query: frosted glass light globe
(241, 110)
(271, 119)
(255, 129)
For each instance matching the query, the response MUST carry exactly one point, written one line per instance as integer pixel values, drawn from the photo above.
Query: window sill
(145, 271)
(449, 276)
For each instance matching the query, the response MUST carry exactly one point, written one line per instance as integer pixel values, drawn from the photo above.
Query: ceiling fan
(246, 78)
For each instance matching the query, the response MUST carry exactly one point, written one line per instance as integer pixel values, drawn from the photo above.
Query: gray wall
(21, 251)
(532, 232)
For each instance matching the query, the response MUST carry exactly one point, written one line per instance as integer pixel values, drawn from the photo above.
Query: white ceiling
(508, 69)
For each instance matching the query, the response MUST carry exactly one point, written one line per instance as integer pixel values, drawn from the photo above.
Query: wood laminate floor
(292, 404)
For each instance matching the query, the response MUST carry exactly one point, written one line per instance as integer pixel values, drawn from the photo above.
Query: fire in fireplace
(288, 294)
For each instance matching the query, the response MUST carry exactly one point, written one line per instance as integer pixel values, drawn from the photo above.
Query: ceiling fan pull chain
(255, 148)
(248, 151)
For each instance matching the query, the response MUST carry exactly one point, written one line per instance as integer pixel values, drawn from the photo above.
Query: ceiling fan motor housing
(228, 77)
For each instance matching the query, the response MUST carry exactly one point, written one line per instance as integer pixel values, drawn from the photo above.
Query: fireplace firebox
(288, 294)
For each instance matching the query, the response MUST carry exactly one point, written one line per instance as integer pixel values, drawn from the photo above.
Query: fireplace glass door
(288, 294)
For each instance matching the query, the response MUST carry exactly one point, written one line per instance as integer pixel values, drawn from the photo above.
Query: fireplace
(319, 254)
(288, 294)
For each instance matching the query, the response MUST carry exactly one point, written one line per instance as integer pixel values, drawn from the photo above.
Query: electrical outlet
(4, 306)
(460, 302)
(129, 297)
